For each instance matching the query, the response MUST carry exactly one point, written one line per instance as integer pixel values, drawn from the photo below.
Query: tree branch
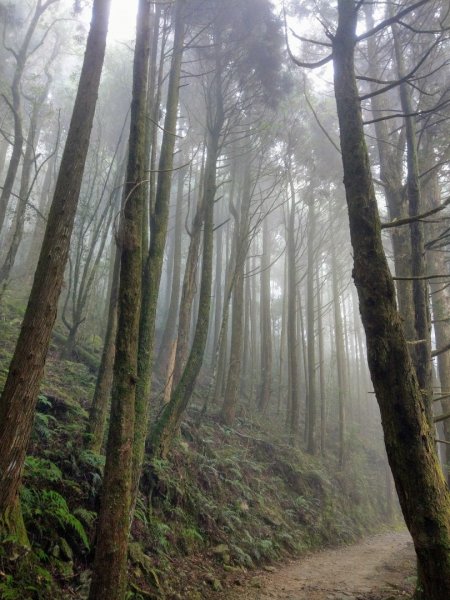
(407, 220)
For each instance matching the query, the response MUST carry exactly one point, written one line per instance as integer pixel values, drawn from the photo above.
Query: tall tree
(423, 493)
(109, 578)
(18, 400)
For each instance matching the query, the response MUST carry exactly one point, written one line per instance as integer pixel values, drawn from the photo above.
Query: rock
(269, 569)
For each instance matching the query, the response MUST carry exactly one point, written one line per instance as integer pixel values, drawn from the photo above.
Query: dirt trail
(379, 567)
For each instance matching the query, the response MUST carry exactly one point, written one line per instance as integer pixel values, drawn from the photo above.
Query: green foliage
(28, 580)
(46, 512)
(41, 469)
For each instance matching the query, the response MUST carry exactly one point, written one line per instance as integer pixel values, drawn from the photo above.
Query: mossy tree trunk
(159, 217)
(166, 427)
(109, 577)
(18, 400)
(422, 491)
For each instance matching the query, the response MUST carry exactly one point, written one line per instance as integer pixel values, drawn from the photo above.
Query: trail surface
(379, 567)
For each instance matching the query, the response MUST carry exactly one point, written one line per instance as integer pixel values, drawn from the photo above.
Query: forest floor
(379, 567)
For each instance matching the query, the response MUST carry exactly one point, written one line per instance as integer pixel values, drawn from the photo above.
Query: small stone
(269, 569)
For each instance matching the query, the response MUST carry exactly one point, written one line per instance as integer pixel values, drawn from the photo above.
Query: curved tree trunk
(164, 431)
(423, 493)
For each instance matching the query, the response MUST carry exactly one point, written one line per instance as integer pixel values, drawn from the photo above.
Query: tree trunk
(266, 322)
(25, 181)
(154, 261)
(165, 428)
(169, 335)
(422, 350)
(320, 337)
(19, 395)
(99, 408)
(420, 484)
(293, 413)
(311, 445)
(109, 576)
(228, 411)
(16, 106)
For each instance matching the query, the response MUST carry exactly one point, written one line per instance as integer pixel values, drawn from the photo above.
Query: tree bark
(153, 266)
(109, 576)
(164, 431)
(420, 484)
(18, 400)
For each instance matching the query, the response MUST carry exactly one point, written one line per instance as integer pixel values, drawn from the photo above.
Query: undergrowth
(226, 502)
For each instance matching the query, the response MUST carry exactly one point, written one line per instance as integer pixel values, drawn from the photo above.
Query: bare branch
(407, 220)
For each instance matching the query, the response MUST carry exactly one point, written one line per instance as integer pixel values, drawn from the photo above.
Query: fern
(58, 506)
(46, 510)
(40, 468)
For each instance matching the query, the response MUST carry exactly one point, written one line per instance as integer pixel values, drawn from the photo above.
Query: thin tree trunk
(16, 106)
(338, 341)
(266, 322)
(293, 414)
(320, 337)
(228, 411)
(422, 350)
(169, 335)
(164, 431)
(312, 409)
(25, 181)
(99, 408)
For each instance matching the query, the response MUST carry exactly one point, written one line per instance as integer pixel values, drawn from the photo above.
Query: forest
(224, 299)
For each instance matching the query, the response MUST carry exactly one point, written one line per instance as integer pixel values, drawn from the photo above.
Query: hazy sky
(122, 22)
